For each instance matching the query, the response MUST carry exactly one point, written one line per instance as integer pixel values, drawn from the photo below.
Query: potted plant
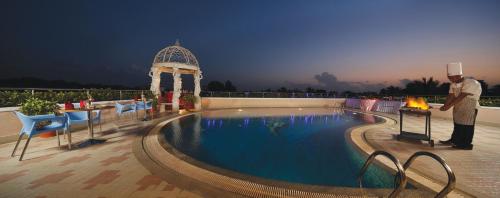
(156, 107)
(187, 101)
(34, 106)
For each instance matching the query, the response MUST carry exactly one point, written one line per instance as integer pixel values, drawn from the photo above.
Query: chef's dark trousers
(462, 134)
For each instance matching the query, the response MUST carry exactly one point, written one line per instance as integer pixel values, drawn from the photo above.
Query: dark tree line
(423, 86)
(219, 86)
(430, 86)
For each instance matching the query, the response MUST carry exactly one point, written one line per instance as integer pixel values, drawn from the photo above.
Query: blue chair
(29, 129)
(125, 108)
(144, 106)
(81, 117)
(140, 105)
(96, 118)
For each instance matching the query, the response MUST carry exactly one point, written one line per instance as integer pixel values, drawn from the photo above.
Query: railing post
(33, 93)
(229, 94)
(121, 95)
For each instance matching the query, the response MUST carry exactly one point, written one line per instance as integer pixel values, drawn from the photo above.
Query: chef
(464, 98)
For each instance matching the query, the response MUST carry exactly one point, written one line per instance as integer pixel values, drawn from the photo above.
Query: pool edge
(209, 181)
(356, 135)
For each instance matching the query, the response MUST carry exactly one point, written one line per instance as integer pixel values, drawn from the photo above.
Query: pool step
(401, 179)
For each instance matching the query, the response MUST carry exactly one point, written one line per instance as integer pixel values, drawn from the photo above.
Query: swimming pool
(304, 146)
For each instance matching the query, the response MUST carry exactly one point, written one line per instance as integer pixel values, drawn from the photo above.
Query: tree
(495, 90)
(282, 89)
(391, 90)
(215, 86)
(228, 86)
(332, 93)
(348, 94)
(422, 87)
(310, 90)
(443, 89)
(484, 87)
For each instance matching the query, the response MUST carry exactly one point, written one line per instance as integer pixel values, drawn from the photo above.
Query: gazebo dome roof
(175, 54)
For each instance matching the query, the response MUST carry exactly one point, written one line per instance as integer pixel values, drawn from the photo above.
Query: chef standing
(464, 98)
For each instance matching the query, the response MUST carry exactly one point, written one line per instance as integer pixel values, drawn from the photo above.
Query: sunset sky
(256, 44)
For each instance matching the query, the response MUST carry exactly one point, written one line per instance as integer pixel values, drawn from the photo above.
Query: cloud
(330, 82)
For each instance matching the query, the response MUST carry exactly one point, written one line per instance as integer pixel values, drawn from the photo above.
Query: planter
(187, 105)
(47, 134)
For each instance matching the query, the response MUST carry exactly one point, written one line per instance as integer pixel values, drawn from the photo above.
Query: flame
(418, 103)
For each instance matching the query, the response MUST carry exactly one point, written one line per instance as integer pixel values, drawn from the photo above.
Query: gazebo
(176, 60)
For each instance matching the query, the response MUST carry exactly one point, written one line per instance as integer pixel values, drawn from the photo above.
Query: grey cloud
(330, 82)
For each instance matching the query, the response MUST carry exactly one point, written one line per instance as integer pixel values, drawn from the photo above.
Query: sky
(257, 44)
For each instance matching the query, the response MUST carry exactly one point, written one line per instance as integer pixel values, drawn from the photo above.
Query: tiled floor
(112, 170)
(477, 171)
(106, 170)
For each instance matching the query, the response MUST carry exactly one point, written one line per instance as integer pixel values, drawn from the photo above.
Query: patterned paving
(112, 170)
(477, 170)
(106, 170)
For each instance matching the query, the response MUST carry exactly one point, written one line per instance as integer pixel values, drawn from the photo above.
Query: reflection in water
(296, 147)
(369, 118)
(196, 130)
(246, 122)
(275, 125)
(176, 130)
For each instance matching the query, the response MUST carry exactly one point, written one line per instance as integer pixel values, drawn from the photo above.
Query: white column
(177, 89)
(155, 81)
(197, 89)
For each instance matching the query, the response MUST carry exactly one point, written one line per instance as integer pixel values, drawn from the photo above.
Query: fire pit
(416, 107)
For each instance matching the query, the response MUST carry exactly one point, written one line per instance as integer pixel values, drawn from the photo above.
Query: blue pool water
(306, 149)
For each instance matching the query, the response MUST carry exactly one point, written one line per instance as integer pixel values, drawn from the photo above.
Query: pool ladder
(401, 175)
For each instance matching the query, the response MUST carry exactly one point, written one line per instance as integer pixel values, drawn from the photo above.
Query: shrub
(35, 106)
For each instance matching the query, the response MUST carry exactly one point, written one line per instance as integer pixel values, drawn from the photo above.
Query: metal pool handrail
(401, 172)
(451, 176)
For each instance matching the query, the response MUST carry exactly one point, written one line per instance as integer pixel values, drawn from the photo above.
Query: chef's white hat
(454, 69)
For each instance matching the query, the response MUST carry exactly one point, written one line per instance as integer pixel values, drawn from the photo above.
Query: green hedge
(12, 98)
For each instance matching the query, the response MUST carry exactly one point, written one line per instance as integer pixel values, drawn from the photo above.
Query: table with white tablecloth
(376, 105)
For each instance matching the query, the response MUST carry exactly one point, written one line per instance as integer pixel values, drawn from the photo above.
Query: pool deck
(477, 171)
(113, 170)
